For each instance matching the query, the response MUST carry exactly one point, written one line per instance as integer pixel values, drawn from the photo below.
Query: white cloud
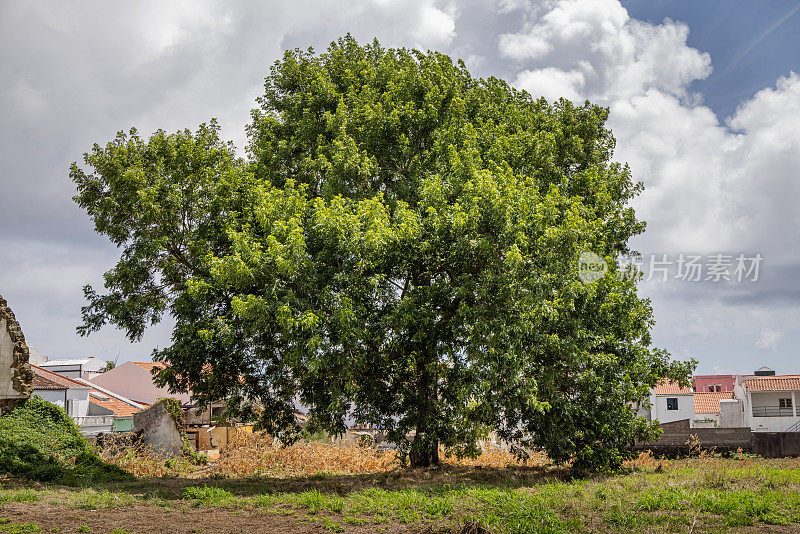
(710, 185)
(769, 339)
(436, 27)
(552, 83)
(618, 57)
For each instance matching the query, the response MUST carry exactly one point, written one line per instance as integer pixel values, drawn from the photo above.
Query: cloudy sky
(704, 99)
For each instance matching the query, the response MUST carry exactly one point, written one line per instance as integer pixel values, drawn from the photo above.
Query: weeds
(19, 528)
(209, 496)
(23, 495)
(93, 500)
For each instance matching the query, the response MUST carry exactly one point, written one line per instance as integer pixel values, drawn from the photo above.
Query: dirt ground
(143, 519)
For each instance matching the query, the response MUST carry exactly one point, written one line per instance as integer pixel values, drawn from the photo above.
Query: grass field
(705, 494)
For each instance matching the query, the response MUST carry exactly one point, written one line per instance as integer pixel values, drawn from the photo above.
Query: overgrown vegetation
(259, 455)
(38, 441)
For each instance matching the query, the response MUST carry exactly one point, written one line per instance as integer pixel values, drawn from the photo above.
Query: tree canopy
(399, 246)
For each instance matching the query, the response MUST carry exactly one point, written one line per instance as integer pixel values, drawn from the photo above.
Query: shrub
(38, 441)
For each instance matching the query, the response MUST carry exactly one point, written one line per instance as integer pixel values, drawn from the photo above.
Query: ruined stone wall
(159, 431)
(16, 376)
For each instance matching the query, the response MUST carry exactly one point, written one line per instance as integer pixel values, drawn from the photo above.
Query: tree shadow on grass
(343, 484)
(427, 479)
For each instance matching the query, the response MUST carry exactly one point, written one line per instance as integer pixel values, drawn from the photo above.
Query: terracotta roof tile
(119, 405)
(149, 366)
(773, 383)
(44, 379)
(120, 408)
(669, 387)
(709, 402)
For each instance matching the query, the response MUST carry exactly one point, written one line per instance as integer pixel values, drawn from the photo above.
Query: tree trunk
(424, 451)
(425, 447)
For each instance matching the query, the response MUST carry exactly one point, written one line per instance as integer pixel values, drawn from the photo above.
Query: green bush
(38, 441)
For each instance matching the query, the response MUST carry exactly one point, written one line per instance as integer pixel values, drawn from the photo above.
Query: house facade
(105, 402)
(670, 402)
(769, 402)
(71, 396)
(714, 383)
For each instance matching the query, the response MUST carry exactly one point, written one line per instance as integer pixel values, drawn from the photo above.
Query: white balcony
(94, 424)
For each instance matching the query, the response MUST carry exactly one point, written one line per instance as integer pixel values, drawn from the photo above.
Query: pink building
(134, 380)
(714, 383)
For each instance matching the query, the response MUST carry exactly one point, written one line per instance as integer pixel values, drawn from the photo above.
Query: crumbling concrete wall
(16, 376)
(158, 430)
(731, 413)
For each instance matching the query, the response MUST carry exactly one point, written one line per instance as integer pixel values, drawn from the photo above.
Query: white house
(79, 368)
(670, 402)
(74, 398)
(105, 402)
(769, 401)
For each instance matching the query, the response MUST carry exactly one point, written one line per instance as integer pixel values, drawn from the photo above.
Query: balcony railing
(94, 420)
(774, 411)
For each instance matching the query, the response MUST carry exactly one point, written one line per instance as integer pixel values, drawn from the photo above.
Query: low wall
(679, 439)
(776, 444)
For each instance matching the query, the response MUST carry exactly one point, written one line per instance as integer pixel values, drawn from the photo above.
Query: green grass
(22, 495)
(209, 496)
(688, 495)
(7, 527)
(94, 500)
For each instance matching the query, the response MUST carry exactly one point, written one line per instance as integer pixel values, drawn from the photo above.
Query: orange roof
(118, 407)
(44, 379)
(669, 387)
(149, 366)
(773, 383)
(709, 402)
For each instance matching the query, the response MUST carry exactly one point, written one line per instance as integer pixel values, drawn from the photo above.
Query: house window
(672, 403)
(784, 403)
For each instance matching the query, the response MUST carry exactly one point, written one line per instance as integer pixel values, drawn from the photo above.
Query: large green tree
(400, 246)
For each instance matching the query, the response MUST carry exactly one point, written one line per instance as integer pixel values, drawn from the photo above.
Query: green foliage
(401, 246)
(40, 442)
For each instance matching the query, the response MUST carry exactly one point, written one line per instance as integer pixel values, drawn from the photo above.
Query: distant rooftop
(119, 405)
(44, 379)
(149, 366)
(669, 387)
(772, 383)
(77, 361)
(709, 402)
